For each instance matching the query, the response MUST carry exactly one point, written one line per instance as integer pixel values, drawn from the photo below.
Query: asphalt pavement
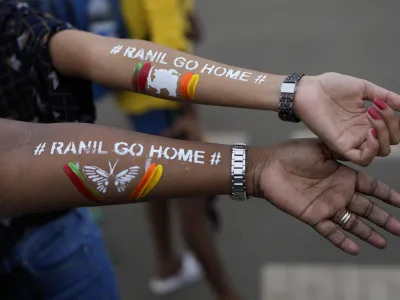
(359, 38)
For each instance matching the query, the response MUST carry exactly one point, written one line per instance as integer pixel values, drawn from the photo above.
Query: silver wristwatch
(238, 172)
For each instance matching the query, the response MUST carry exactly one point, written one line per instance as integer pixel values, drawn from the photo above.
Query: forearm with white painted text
(162, 72)
(71, 165)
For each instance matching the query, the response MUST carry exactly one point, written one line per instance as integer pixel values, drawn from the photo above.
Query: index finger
(368, 185)
(373, 91)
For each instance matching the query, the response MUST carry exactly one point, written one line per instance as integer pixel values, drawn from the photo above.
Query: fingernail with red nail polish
(380, 104)
(373, 131)
(373, 113)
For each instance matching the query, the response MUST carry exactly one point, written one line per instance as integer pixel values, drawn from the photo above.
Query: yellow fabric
(166, 22)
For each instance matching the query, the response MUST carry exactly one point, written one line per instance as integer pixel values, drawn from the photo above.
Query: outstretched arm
(49, 167)
(111, 61)
(331, 105)
(55, 166)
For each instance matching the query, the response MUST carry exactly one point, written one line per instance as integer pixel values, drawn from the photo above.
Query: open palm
(302, 179)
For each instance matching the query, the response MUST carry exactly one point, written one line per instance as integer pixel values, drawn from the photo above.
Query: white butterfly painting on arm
(102, 178)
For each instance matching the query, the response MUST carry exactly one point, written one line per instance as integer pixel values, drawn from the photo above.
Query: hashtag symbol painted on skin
(116, 49)
(260, 78)
(215, 158)
(39, 149)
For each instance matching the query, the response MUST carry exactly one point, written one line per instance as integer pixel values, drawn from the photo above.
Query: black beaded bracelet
(288, 90)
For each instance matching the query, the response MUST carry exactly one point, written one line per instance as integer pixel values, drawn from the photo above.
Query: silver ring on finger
(345, 219)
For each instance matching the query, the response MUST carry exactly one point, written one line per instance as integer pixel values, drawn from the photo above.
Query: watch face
(288, 87)
(239, 146)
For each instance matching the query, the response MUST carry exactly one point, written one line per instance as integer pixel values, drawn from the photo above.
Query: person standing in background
(173, 23)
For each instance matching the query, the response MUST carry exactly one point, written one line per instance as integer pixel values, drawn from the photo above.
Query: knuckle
(390, 114)
(369, 209)
(395, 139)
(386, 151)
(352, 223)
(365, 162)
(339, 214)
(341, 243)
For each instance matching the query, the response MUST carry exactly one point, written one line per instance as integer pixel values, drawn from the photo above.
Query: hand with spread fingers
(333, 106)
(302, 178)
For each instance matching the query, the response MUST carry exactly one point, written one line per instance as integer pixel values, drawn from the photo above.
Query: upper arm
(36, 90)
(31, 29)
(31, 33)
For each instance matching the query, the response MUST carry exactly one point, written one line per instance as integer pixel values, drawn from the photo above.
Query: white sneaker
(190, 272)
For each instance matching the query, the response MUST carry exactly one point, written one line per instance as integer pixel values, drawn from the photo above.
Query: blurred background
(268, 254)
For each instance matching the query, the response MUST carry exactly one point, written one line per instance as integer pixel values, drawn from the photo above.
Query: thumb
(365, 154)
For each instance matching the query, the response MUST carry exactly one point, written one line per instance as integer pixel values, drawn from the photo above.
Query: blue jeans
(64, 259)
